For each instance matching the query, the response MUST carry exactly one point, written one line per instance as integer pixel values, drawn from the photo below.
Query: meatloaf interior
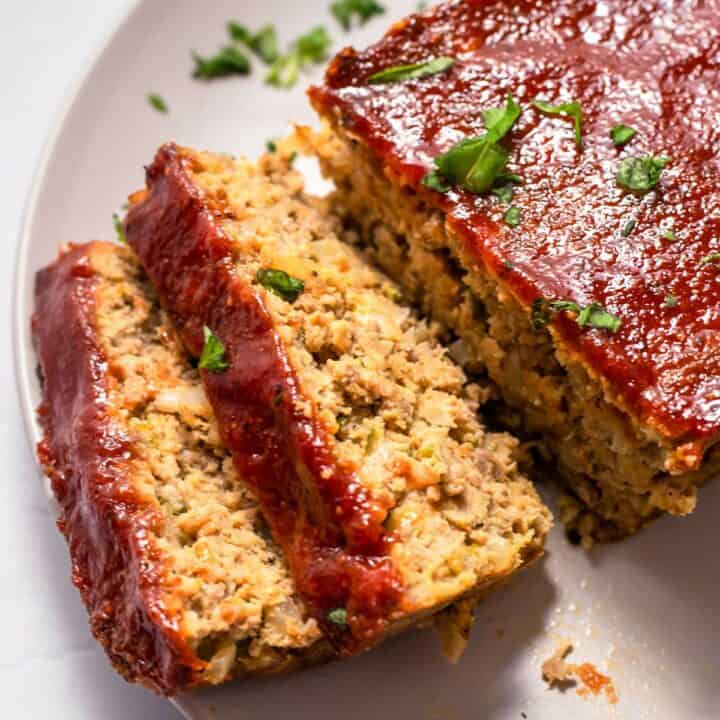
(620, 474)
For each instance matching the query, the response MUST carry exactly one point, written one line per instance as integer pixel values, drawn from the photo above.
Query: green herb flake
(504, 187)
(309, 48)
(345, 10)
(593, 315)
(508, 265)
(213, 354)
(271, 146)
(264, 43)
(280, 283)
(711, 258)
(670, 301)
(227, 61)
(400, 73)
(641, 174)
(628, 228)
(158, 103)
(622, 134)
(338, 616)
(435, 181)
(476, 163)
(571, 109)
(670, 235)
(540, 314)
(119, 229)
(512, 217)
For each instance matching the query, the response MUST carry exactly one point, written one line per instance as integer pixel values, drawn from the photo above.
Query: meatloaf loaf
(182, 581)
(590, 298)
(356, 433)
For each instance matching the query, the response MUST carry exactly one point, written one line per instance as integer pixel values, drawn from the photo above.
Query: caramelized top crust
(88, 458)
(651, 64)
(328, 525)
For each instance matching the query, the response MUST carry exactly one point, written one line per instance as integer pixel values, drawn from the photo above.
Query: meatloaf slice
(630, 408)
(182, 581)
(357, 434)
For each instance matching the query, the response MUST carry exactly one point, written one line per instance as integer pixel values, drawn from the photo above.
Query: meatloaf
(571, 254)
(182, 580)
(356, 433)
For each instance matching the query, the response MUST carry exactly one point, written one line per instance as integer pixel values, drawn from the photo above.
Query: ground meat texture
(393, 416)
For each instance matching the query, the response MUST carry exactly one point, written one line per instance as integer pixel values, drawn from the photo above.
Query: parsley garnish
(512, 217)
(435, 181)
(476, 163)
(641, 174)
(228, 61)
(400, 73)
(263, 43)
(338, 616)
(309, 48)
(711, 258)
(622, 134)
(344, 10)
(157, 102)
(119, 229)
(629, 227)
(213, 354)
(280, 283)
(670, 235)
(670, 301)
(271, 146)
(571, 109)
(593, 315)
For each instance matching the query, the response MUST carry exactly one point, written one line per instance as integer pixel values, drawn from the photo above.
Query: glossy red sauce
(650, 64)
(87, 457)
(329, 526)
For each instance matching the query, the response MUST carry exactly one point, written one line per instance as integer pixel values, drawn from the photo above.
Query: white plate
(645, 611)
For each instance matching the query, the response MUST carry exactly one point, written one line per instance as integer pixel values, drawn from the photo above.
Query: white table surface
(51, 667)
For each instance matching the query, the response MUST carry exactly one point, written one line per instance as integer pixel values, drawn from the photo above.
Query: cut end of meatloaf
(620, 474)
(395, 420)
(182, 581)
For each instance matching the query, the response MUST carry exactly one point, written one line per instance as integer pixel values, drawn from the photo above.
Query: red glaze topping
(88, 458)
(330, 528)
(651, 64)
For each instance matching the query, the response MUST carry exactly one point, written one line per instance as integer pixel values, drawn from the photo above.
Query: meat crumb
(557, 672)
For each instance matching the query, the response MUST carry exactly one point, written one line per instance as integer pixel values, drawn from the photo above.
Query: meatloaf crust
(174, 564)
(345, 417)
(650, 65)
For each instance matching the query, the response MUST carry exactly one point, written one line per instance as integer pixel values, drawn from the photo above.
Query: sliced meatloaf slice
(357, 434)
(182, 581)
(584, 282)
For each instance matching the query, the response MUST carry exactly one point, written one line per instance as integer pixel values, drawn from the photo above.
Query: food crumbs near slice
(119, 229)
(158, 103)
(416, 71)
(622, 134)
(338, 616)
(512, 216)
(280, 283)
(711, 258)
(264, 43)
(570, 109)
(307, 49)
(670, 301)
(345, 10)
(641, 174)
(213, 354)
(227, 61)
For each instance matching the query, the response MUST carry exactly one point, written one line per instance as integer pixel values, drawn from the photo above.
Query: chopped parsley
(264, 43)
(670, 235)
(158, 103)
(213, 354)
(345, 10)
(309, 48)
(593, 315)
(280, 283)
(641, 174)
(435, 181)
(338, 616)
(512, 217)
(400, 73)
(622, 134)
(670, 301)
(571, 109)
(711, 258)
(271, 146)
(119, 229)
(227, 61)
(628, 228)
(476, 163)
